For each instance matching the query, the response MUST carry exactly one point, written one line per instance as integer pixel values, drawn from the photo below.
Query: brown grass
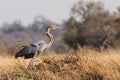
(85, 64)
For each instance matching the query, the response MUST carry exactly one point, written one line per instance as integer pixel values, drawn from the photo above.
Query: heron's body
(32, 50)
(29, 50)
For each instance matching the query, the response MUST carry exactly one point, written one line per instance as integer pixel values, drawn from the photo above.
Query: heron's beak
(61, 28)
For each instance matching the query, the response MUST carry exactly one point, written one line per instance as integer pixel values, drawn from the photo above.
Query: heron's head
(54, 27)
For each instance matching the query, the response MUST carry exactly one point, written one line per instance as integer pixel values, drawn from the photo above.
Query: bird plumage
(30, 51)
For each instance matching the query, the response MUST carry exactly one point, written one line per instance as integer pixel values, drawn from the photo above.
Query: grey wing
(30, 50)
(27, 50)
(40, 45)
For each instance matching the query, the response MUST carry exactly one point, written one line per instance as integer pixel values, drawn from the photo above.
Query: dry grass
(85, 64)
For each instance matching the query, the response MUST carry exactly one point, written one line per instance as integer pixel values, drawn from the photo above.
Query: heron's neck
(50, 37)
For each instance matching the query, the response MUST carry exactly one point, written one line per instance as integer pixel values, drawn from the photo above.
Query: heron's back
(30, 50)
(27, 52)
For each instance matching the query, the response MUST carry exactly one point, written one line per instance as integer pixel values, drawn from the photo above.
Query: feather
(27, 50)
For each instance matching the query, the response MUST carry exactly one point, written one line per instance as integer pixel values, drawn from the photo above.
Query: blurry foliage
(2, 48)
(86, 25)
(60, 46)
(12, 34)
(14, 48)
(16, 26)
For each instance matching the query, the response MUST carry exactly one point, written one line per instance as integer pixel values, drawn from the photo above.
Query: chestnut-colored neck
(50, 37)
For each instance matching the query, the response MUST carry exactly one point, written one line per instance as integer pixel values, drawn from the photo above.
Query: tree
(86, 24)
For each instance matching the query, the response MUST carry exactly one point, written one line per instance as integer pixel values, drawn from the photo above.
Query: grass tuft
(84, 64)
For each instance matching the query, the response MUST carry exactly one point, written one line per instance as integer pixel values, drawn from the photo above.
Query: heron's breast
(42, 47)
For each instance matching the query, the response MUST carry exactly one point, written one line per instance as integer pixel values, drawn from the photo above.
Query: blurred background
(24, 21)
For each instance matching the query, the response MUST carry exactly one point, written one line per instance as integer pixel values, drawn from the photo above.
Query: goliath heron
(32, 50)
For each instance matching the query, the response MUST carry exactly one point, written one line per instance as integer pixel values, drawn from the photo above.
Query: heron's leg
(32, 61)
